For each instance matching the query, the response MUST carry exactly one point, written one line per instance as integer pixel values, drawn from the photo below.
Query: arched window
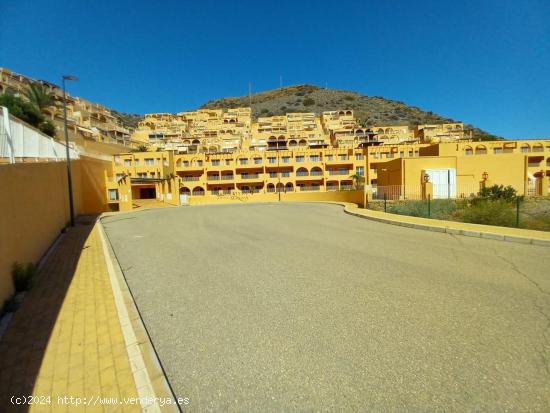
(481, 150)
(468, 151)
(198, 191)
(525, 148)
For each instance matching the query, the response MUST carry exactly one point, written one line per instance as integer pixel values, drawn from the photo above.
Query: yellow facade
(525, 165)
(86, 120)
(175, 178)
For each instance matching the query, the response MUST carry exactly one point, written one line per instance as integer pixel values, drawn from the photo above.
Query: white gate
(184, 199)
(443, 182)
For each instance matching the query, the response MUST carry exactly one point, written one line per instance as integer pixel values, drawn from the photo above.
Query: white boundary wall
(20, 141)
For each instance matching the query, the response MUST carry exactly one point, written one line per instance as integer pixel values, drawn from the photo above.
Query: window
(286, 159)
(497, 151)
(127, 162)
(358, 156)
(314, 158)
(148, 161)
(525, 149)
(343, 157)
(113, 194)
(360, 170)
(216, 162)
(273, 174)
(243, 161)
(136, 162)
(152, 174)
(228, 161)
(257, 161)
(299, 159)
(416, 153)
(285, 174)
(330, 157)
(468, 151)
(271, 160)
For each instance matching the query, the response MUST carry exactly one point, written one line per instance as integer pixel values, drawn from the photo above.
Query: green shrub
(308, 102)
(490, 212)
(47, 127)
(22, 276)
(349, 97)
(507, 193)
(439, 208)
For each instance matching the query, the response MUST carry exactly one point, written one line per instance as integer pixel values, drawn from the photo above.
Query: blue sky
(482, 62)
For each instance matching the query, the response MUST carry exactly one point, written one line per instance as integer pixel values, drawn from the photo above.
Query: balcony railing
(213, 177)
(228, 177)
(302, 174)
(189, 178)
(310, 188)
(346, 172)
(250, 176)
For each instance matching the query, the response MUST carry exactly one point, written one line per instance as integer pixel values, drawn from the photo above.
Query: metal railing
(416, 192)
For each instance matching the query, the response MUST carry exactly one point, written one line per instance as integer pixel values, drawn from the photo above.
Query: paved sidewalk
(66, 338)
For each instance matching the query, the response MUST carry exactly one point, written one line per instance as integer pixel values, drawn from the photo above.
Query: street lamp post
(69, 178)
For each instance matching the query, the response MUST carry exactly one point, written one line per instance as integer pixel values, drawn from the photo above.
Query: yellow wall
(34, 208)
(336, 196)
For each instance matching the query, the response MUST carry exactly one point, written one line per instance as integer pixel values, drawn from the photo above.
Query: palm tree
(358, 180)
(141, 148)
(39, 96)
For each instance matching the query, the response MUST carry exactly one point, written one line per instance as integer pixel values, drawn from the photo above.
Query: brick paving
(66, 338)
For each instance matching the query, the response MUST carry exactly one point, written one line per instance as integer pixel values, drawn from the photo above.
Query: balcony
(227, 177)
(341, 173)
(309, 188)
(250, 176)
(213, 177)
(190, 178)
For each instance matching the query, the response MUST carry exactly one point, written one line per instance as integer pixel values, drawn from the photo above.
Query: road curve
(300, 307)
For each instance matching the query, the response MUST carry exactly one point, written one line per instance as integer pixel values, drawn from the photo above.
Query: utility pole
(69, 178)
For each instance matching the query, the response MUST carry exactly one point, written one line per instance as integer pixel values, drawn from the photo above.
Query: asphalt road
(300, 307)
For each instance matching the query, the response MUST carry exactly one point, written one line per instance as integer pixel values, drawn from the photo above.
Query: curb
(149, 376)
(449, 229)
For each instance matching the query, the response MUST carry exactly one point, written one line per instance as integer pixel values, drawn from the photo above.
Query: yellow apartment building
(204, 130)
(85, 119)
(214, 153)
(456, 169)
(460, 169)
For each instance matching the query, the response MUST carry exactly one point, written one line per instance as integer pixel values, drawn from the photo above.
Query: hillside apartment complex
(215, 155)
(87, 122)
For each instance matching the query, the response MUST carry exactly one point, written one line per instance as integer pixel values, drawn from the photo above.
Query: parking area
(300, 307)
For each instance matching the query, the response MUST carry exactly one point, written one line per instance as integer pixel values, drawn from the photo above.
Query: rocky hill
(369, 110)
